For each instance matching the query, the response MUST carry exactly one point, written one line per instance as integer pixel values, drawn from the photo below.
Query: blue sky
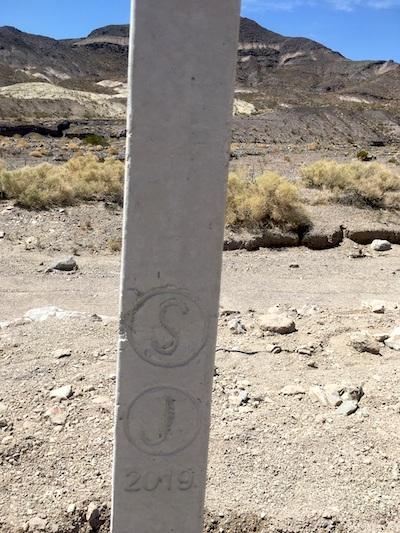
(360, 29)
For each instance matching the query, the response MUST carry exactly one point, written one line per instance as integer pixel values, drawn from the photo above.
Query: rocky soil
(306, 407)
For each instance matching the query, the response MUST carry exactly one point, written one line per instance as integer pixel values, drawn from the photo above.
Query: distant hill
(273, 72)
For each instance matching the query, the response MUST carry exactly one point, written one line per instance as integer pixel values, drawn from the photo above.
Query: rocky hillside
(276, 74)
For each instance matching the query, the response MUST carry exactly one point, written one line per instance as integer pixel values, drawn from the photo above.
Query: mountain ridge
(273, 72)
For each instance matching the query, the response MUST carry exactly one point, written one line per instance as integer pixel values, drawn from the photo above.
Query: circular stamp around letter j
(162, 421)
(167, 328)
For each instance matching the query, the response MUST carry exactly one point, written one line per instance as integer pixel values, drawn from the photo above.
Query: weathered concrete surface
(181, 79)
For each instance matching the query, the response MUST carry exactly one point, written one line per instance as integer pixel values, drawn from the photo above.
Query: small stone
(292, 390)
(305, 350)
(66, 265)
(7, 440)
(236, 400)
(273, 348)
(393, 341)
(379, 245)
(277, 323)
(236, 326)
(317, 393)
(364, 342)
(333, 395)
(351, 392)
(376, 306)
(381, 337)
(57, 415)
(347, 408)
(60, 353)
(2, 234)
(71, 508)
(37, 524)
(104, 402)
(93, 516)
(62, 393)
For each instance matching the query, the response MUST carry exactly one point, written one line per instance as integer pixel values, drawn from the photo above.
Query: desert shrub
(363, 155)
(46, 185)
(114, 244)
(353, 183)
(95, 140)
(268, 200)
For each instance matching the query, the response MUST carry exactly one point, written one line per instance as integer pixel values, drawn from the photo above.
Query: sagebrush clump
(269, 199)
(356, 183)
(81, 178)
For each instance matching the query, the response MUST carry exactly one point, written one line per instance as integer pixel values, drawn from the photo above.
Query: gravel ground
(280, 460)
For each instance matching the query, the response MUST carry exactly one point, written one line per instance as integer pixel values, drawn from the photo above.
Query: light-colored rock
(62, 352)
(276, 323)
(379, 245)
(347, 408)
(292, 390)
(236, 326)
(104, 402)
(364, 342)
(376, 306)
(93, 516)
(40, 314)
(317, 393)
(57, 415)
(62, 393)
(393, 341)
(332, 393)
(241, 107)
(37, 524)
(241, 398)
(381, 337)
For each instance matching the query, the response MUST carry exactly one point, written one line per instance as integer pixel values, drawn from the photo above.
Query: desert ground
(306, 401)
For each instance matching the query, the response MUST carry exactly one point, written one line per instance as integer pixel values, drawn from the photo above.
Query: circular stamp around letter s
(167, 328)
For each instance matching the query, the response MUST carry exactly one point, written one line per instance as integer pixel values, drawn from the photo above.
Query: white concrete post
(182, 64)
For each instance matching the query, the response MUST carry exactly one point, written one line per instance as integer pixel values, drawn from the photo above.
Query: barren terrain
(282, 458)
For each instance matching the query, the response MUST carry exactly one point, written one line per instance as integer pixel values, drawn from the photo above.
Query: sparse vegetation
(114, 244)
(96, 140)
(356, 183)
(269, 199)
(46, 185)
(363, 155)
